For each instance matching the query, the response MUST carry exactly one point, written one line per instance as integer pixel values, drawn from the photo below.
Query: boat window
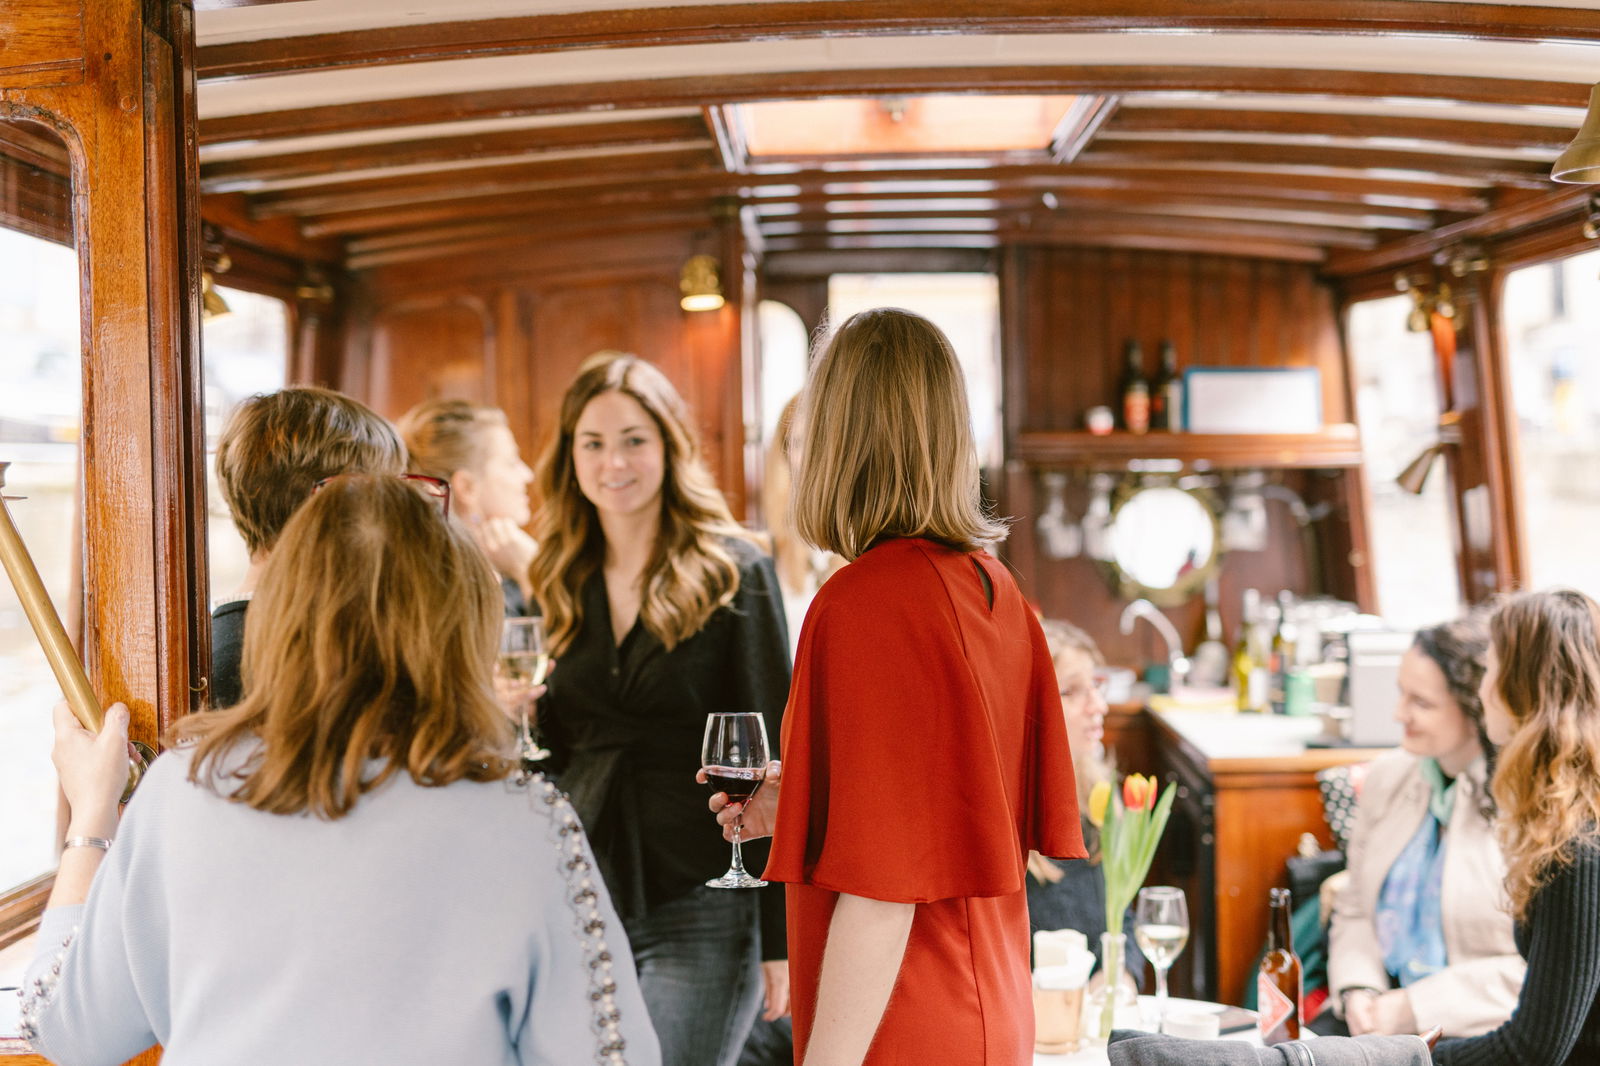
(246, 351)
(785, 352)
(1551, 319)
(966, 307)
(41, 417)
(1397, 406)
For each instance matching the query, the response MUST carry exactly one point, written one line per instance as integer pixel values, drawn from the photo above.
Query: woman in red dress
(924, 749)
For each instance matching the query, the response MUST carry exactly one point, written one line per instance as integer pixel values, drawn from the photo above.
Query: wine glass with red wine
(734, 757)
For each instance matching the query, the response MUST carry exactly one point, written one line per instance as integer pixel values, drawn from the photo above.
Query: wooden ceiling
(1282, 128)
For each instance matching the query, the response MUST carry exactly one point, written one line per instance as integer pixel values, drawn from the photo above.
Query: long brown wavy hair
(690, 573)
(1547, 778)
(372, 635)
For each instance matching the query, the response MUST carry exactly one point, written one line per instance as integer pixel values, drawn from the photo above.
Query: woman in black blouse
(660, 610)
(1541, 701)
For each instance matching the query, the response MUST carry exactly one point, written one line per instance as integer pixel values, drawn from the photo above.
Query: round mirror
(1164, 543)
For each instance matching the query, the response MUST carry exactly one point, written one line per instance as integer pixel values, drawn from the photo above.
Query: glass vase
(1114, 992)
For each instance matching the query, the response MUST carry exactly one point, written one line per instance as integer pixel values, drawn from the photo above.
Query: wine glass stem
(738, 859)
(1161, 995)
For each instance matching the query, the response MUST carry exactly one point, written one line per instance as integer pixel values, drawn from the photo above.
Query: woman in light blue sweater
(342, 868)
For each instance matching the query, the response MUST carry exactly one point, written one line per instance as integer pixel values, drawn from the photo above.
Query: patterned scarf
(1410, 925)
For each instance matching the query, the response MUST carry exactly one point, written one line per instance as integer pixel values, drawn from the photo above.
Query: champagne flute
(1161, 928)
(523, 664)
(734, 757)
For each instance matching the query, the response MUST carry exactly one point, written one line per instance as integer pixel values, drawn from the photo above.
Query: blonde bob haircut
(886, 441)
(372, 635)
(1547, 776)
(690, 574)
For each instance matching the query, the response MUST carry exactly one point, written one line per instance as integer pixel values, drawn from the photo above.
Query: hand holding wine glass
(1161, 927)
(757, 816)
(520, 672)
(733, 761)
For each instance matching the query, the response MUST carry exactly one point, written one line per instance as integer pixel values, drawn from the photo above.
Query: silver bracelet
(103, 843)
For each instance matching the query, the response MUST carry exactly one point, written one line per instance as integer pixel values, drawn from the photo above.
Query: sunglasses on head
(435, 489)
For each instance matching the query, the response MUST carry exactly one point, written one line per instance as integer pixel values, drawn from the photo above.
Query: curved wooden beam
(710, 24)
(742, 88)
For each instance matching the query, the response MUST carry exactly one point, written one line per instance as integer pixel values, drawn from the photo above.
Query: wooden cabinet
(1246, 791)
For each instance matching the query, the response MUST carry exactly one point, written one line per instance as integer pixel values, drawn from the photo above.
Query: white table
(1128, 1019)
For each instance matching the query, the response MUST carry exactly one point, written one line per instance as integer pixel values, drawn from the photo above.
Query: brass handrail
(52, 635)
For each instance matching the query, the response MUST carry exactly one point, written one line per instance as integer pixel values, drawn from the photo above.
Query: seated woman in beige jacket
(1421, 935)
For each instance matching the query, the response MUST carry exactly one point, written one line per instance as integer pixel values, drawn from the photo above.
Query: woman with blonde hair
(1541, 700)
(472, 448)
(1073, 896)
(660, 610)
(342, 867)
(924, 745)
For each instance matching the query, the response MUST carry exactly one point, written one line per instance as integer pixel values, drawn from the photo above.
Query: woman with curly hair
(1420, 932)
(661, 610)
(1541, 699)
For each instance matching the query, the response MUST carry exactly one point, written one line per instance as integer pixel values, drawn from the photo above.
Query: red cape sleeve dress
(925, 753)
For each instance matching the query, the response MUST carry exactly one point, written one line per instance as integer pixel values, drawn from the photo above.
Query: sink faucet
(1177, 662)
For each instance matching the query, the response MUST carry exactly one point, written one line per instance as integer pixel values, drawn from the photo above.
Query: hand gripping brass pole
(52, 635)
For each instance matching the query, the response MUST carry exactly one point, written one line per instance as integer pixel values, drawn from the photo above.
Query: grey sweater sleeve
(1555, 1013)
(86, 996)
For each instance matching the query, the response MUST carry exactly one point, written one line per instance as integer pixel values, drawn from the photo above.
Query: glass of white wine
(1161, 928)
(523, 665)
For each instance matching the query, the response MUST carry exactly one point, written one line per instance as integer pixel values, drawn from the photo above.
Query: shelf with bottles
(1335, 446)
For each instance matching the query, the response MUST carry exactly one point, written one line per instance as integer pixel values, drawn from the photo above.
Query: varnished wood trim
(1486, 171)
(1559, 201)
(1506, 135)
(229, 175)
(707, 24)
(1069, 223)
(735, 88)
(463, 242)
(1335, 447)
(337, 216)
(485, 181)
(1172, 239)
(21, 908)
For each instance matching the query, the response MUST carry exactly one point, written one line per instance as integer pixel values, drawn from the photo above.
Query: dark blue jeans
(699, 962)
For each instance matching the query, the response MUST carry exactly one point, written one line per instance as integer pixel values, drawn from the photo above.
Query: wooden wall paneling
(426, 349)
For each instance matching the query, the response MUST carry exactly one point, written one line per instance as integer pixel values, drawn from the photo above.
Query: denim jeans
(699, 963)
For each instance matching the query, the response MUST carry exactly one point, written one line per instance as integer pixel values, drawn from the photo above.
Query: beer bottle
(1278, 983)
(1135, 391)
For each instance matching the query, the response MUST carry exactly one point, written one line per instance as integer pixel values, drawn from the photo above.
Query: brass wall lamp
(1580, 163)
(700, 284)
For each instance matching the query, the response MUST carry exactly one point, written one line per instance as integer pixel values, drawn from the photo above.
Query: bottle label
(1136, 410)
(1273, 1009)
